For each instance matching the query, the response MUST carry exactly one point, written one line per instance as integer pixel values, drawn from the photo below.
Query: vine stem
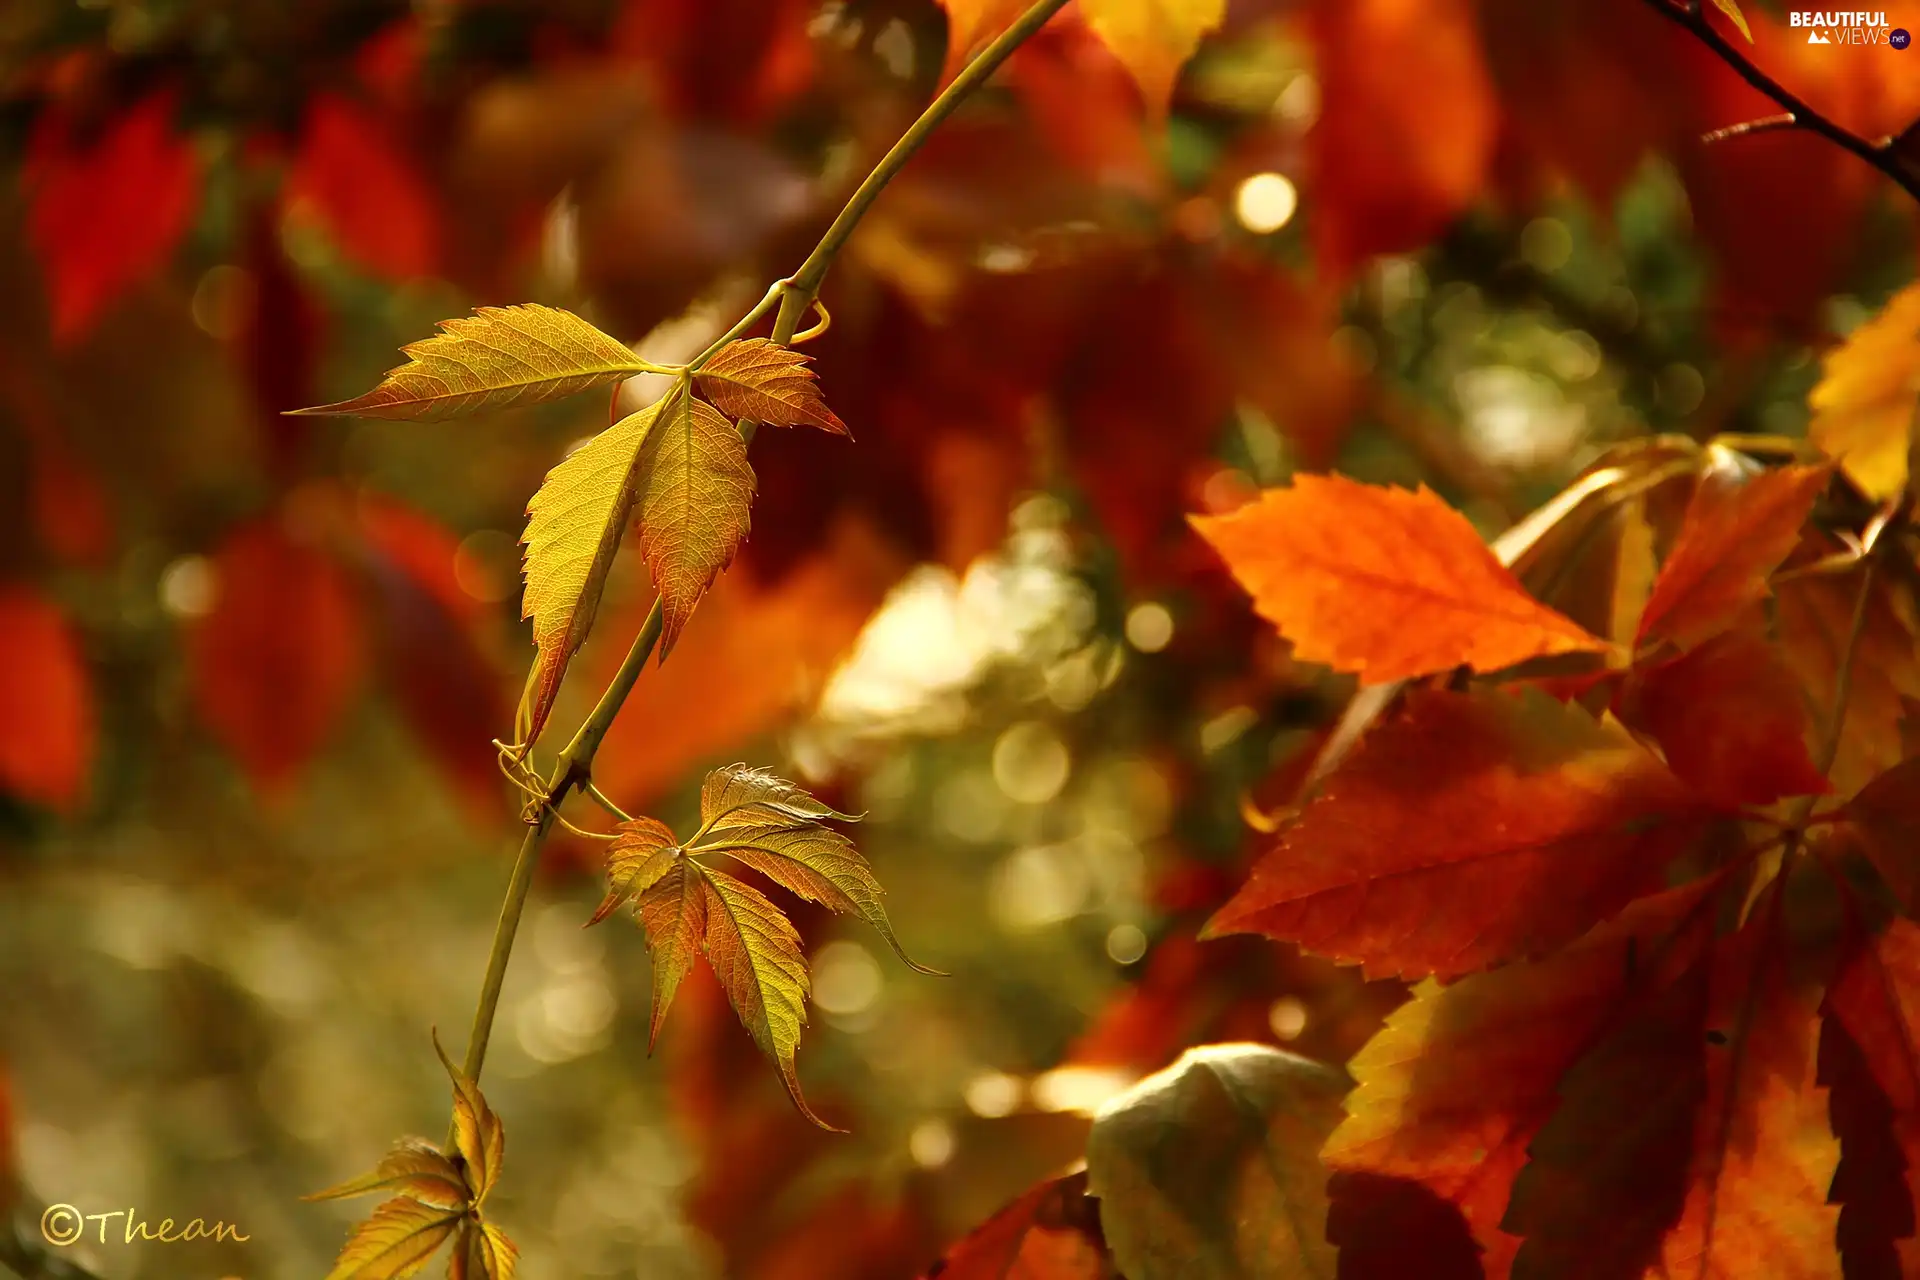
(794, 296)
(1885, 154)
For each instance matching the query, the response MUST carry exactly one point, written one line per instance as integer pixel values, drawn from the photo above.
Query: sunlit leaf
(497, 357)
(1866, 408)
(1153, 38)
(482, 1252)
(478, 1134)
(642, 852)
(1732, 9)
(396, 1241)
(414, 1168)
(673, 910)
(696, 490)
(1383, 582)
(574, 526)
(1051, 1232)
(739, 795)
(1210, 1170)
(764, 382)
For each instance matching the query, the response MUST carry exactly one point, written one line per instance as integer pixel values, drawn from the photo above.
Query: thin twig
(1884, 154)
(1766, 124)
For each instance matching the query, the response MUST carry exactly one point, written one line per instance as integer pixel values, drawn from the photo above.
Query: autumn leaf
(414, 1168)
(47, 728)
(1453, 1089)
(350, 176)
(696, 489)
(497, 357)
(1051, 1232)
(107, 210)
(1208, 1170)
(1886, 813)
(1383, 583)
(1737, 530)
(1730, 719)
(1153, 38)
(686, 907)
(575, 523)
(1531, 820)
(971, 24)
(482, 1252)
(1732, 9)
(1814, 618)
(396, 1241)
(1866, 408)
(761, 381)
(1874, 1004)
(478, 1135)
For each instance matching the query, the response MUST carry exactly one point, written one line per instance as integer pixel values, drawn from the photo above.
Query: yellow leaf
(477, 1132)
(1153, 38)
(765, 382)
(740, 795)
(696, 490)
(1864, 409)
(574, 526)
(643, 852)
(482, 1252)
(395, 1242)
(416, 1168)
(971, 24)
(497, 357)
(1732, 9)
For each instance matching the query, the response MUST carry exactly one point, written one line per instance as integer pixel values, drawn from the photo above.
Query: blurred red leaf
(447, 684)
(71, 511)
(46, 703)
(1086, 105)
(1052, 1232)
(107, 208)
(1730, 719)
(1406, 128)
(733, 60)
(1532, 820)
(276, 662)
(369, 194)
(1387, 1227)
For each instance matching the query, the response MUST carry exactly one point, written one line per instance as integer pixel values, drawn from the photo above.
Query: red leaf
(1730, 718)
(1382, 582)
(1886, 813)
(107, 211)
(1528, 819)
(444, 680)
(1386, 1228)
(350, 175)
(1870, 1186)
(1876, 1000)
(1050, 1233)
(1734, 535)
(46, 703)
(1406, 127)
(281, 654)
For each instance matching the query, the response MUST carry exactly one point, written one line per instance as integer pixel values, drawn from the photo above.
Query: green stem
(795, 295)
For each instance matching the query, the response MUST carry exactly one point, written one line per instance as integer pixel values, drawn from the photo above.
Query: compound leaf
(498, 356)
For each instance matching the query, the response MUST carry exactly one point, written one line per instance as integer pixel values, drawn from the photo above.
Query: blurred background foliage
(251, 832)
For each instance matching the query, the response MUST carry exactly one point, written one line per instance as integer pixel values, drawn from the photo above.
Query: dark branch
(1889, 155)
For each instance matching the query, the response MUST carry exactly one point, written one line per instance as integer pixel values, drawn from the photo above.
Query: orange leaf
(1735, 533)
(369, 195)
(764, 382)
(1455, 1086)
(1051, 1232)
(1406, 128)
(46, 703)
(107, 211)
(1531, 821)
(971, 24)
(276, 661)
(1382, 582)
(1730, 718)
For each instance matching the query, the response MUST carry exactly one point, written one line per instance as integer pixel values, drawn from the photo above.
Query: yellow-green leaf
(742, 796)
(1866, 409)
(574, 526)
(696, 490)
(643, 852)
(673, 910)
(755, 952)
(1732, 9)
(498, 356)
(396, 1241)
(478, 1134)
(416, 1168)
(765, 382)
(482, 1252)
(1153, 38)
